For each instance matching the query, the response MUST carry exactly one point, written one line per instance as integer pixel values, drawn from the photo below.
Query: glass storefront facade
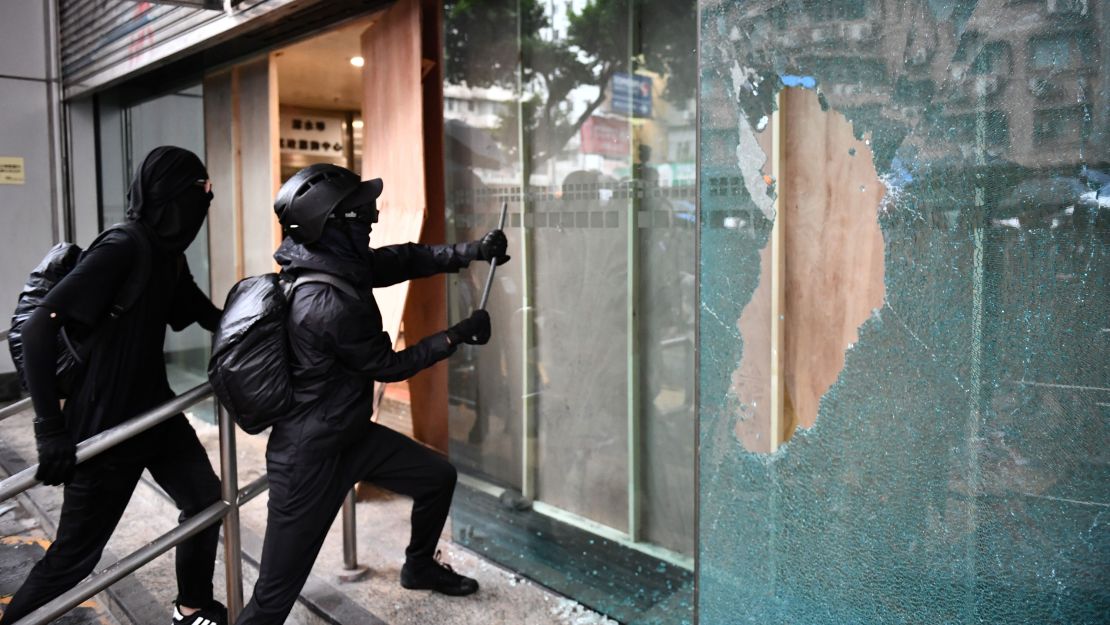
(814, 292)
(582, 405)
(912, 430)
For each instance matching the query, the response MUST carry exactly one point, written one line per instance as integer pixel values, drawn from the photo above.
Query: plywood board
(393, 147)
(426, 309)
(834, 248)
(831, 264)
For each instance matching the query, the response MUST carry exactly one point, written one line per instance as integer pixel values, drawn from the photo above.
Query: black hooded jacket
(338, 345)
(125, 372)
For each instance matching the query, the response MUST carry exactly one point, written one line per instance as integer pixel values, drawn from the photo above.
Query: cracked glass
(904, 315)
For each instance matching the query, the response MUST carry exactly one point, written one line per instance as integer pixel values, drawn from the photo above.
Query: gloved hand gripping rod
(493, 262)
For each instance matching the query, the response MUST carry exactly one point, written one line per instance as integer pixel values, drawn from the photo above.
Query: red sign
(604, 136)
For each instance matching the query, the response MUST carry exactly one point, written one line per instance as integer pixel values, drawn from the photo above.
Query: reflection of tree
(482, 51)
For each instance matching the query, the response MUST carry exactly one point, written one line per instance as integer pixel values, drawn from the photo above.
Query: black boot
(437, 576)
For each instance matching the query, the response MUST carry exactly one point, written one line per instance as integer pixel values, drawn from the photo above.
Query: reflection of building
(1023, 74)
(477, 107)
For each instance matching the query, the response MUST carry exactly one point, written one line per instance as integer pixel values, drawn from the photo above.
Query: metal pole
(632, 308)
(493, 261)
(252, 490)
(352, 572)
(350, 540)
(126, 566)
(229, 492)
(109, 438)
(15, 408)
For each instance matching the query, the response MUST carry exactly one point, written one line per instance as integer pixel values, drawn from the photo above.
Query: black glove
(57, 455)
(474, 330)
(492, 246)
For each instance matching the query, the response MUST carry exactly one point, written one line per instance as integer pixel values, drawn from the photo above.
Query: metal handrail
(107, 439)
(15, 408)
(225, 510)
(125, 566)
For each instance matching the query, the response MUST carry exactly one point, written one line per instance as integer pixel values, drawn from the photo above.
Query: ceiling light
(357, 124)
(358, 61)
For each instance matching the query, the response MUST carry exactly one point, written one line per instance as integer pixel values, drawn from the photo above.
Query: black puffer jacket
(337, 342)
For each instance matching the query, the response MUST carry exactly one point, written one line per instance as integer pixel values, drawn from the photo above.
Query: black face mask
(179, 225)
(167, 198)
(357, 222)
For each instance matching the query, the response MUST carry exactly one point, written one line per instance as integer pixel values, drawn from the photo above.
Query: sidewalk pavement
(382, 531)
(23, 540)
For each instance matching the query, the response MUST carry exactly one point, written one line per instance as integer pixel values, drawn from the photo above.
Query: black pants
(95, 500)
(305, 498)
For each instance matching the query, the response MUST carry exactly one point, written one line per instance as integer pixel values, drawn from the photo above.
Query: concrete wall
(28, 211)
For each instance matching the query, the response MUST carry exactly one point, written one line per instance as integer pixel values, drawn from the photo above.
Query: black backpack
(249, 368)
(72, 347)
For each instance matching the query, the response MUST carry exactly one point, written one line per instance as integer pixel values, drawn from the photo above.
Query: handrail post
(352, 572)
(229, 491)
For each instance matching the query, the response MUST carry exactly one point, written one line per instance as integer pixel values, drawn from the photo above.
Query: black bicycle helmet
(304, 202)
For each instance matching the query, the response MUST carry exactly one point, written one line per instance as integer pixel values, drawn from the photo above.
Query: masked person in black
(124, 375)
(339, 349)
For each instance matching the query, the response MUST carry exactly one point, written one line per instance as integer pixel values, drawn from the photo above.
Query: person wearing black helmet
(124, 375)
(339, 349)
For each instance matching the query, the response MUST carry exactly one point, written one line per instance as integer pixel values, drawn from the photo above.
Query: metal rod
(229, 492)
(527, 404)
(252, 490)
(493, 261)
(778, 277)
(632, 363)
(109, 438)
(4, 334)
(350, 540)
(124, 567)
(13, 409)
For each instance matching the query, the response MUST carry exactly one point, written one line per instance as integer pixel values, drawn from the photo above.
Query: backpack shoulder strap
(140, 271)
(306, 277)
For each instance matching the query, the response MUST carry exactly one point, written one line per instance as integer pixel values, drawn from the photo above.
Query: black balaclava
(343, 249)
(166, 198)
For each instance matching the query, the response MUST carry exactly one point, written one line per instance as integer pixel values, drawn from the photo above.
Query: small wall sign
(11, 170)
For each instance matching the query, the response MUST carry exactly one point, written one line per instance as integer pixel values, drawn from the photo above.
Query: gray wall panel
(256, 82)
(25, 209)
(22, 39)
(220, 160)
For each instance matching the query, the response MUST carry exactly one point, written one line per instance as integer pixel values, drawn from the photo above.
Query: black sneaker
(213, 614)
(438, 577)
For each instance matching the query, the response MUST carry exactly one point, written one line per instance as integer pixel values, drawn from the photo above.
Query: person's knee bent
(447, 476)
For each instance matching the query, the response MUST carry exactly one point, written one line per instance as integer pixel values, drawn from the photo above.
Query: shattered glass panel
(955, 469)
